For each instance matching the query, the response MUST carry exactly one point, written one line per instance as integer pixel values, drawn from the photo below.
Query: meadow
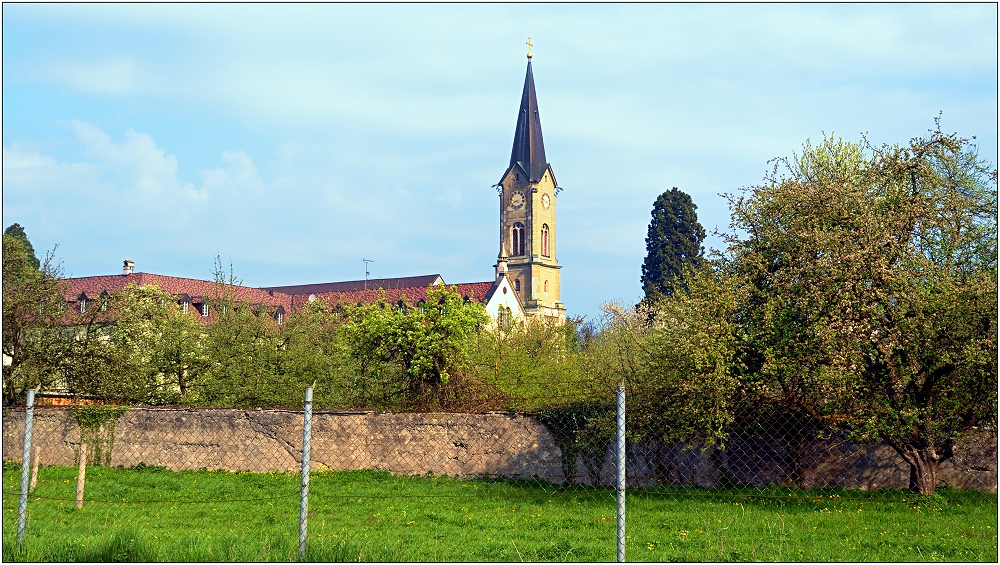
(152, 514)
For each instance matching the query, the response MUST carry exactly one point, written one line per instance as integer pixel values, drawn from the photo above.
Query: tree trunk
(924, 466)
(181, 383)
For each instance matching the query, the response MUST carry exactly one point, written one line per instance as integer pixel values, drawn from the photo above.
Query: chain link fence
(158, 484)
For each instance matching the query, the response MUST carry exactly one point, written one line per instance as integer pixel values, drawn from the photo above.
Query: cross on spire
(530, 45)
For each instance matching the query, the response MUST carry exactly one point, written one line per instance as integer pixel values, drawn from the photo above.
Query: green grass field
(152, 514)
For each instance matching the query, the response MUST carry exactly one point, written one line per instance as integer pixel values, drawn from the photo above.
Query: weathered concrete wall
(468, 445)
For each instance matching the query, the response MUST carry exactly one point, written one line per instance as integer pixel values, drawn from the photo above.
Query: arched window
(517, 239)
(505, 316)
(517, 285)
(546, 287)
(545, 240)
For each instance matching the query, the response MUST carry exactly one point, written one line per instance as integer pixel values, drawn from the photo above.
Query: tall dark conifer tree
(15, 230)
(673, 242)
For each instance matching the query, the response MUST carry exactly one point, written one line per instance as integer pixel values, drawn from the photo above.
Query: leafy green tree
(311, 352)
(180, 354)
(159, 345)
(676, 357)
(673, 244)
(242, 356)
(529, 364)
(92, 365)
(33, 300)
(409, 353)
(868, 291)
(16, 231)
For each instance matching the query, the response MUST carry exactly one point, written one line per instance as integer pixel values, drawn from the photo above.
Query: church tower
(528, 213)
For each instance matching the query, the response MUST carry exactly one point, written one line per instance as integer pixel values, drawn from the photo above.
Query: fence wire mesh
(536, 485)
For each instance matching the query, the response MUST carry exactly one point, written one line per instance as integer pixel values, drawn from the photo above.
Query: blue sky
(294, 141)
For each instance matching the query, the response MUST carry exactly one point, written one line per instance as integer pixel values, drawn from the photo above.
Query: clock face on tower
(546, 201)
(517, 200)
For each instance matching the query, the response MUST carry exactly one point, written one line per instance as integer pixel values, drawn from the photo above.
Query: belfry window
(545, 240)
(517, 239)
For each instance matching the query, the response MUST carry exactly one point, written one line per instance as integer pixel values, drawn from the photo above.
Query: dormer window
(204, 309)
(185, 305)
(83, 304)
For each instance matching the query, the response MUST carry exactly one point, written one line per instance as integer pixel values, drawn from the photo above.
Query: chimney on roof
(128, 266)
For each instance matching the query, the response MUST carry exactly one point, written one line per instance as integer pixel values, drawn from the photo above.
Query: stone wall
(491, 444)
(469, 445)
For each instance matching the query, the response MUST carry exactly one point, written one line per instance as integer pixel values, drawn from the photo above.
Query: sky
(294, 141)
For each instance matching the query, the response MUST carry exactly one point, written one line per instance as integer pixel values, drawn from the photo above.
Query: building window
(280, 318)
(517, 239)
(185, 305)
(204, 310)
(83, 305)
(517, 285)
(504, 316)
(546, 287)
(545, 240)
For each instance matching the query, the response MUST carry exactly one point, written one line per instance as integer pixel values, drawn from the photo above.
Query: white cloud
(137, 162)
(29, 174)
(236, 178)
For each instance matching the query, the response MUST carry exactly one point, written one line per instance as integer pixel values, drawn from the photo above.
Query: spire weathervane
(530, 45)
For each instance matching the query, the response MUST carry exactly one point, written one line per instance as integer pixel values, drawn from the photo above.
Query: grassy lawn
(156, 515)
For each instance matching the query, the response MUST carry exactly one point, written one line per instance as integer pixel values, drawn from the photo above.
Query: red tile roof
(477, 291)
(197, 290)
(345, 286)
(292, 298)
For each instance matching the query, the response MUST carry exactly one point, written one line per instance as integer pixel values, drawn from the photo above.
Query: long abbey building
(526, 281)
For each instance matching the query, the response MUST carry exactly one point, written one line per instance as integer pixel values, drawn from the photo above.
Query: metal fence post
(304, 496)
(22, 503)
(620, 437)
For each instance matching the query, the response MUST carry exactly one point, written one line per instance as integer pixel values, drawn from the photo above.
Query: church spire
(528, 148)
